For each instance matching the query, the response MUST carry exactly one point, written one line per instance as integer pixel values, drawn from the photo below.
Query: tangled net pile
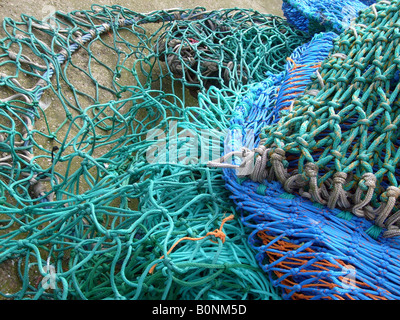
(109, 118)
(81, 204)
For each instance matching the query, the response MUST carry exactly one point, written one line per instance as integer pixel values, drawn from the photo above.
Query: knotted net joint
(254, 163)
(369, 180)
(277, 158)
(338, 197)
(392, 231)
(315, 192)
(278, 154)
(260, 171)
(311, 170)
(339, 178)
(392, 194)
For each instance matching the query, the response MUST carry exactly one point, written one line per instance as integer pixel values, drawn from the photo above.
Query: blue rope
(323, 15)
(331, 234)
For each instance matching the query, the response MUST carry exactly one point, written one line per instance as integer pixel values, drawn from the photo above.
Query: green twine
(82, 196)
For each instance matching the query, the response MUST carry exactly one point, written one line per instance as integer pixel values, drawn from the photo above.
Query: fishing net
(322, 196)
(91, 206)
(342, 134)
(326, 15)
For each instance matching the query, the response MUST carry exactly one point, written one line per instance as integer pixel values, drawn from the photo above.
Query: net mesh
(107, 117)
(342, 133)
(326, 15)
(84, 96)
(329, 235)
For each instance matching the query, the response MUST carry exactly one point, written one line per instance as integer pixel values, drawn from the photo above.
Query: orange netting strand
(279, 249)
(217, 233)
(296, 81)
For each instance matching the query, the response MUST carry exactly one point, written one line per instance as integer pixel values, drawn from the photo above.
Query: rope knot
(393, 192)
(260, 171)
(339, 195)
(370, 182)
(260, 149)
(369, 179)
(340, 178)
(278, 154)
(217, 233)
(311, 170)
(392, 231)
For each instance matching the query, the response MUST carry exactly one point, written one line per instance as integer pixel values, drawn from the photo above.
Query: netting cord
(258, 173)
(103, 28)
(64, 54)
(337, 196)
(330, 192)
(217, 233)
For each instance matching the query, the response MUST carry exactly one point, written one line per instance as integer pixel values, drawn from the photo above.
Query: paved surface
(41, 8)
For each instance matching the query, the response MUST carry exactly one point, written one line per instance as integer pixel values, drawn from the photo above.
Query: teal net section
(90, 206)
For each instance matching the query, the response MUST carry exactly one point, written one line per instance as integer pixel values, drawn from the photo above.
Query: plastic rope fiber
(342, 132)
(326, 15)
(84, 213)
(319, 250)
(264, 102)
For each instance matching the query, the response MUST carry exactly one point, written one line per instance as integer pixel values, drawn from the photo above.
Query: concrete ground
(42, 8)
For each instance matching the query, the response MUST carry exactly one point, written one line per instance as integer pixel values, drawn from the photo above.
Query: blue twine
(324, 15)
(331, 234)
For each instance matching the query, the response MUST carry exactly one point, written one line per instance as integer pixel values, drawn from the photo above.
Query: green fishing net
(85, 100)
(340, 145)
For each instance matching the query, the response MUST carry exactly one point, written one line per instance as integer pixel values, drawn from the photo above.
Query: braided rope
(342, 134)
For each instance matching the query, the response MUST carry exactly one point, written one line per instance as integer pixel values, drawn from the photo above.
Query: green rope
(342, 135)
(80, 99)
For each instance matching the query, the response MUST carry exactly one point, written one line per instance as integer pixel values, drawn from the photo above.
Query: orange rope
(295, 66)
(218, 233)
(324, 265)
(293, 79)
